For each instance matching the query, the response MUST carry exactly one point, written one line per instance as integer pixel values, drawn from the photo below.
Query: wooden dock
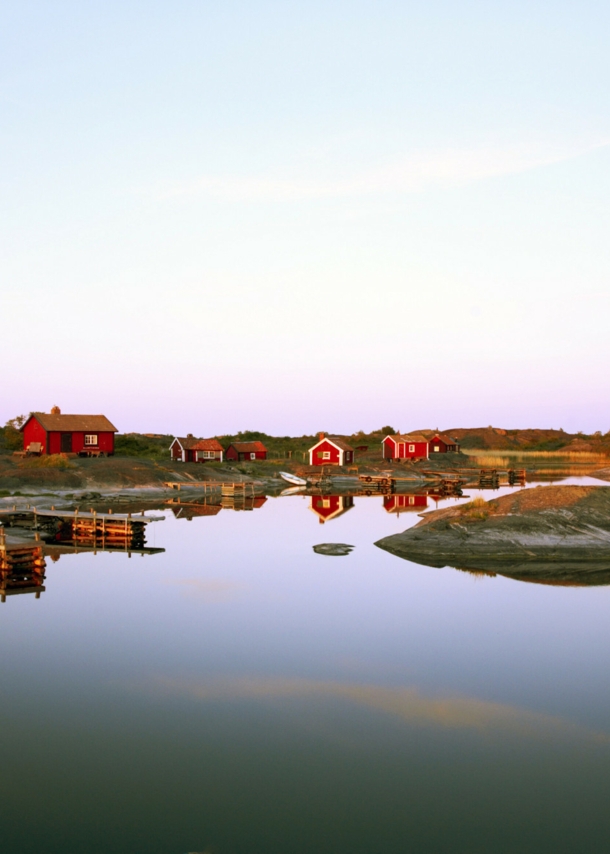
(87, 530)
(22, 567)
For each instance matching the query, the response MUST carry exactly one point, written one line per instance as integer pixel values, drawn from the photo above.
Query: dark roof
(74, 423)
(336, 440)
(189, 443)
(248, 447)
(444, 438)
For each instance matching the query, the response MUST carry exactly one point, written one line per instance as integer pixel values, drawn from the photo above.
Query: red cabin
(411, 446)
(443, 444)
(240, 451)
(191, 450)
(87, 435)
(327, 507)
(331, 451)
(404, 503)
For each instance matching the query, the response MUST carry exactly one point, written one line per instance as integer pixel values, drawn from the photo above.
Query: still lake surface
(240, 693)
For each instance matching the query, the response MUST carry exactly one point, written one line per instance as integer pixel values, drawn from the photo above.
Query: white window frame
(252, 456)
(437, 447)
(325, 455)
(411, 449)
(90, 440)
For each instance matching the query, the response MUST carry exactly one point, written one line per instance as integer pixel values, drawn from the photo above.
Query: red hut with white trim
(440, 443)
(192, 450)
(410, 446)
(54, 433)
(331, 451)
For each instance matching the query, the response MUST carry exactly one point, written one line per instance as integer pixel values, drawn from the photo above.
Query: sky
(298, 217)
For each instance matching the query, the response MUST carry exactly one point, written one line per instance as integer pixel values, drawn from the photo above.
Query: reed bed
(487, 460)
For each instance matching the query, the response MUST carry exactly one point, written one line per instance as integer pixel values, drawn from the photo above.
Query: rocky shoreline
(553, 534)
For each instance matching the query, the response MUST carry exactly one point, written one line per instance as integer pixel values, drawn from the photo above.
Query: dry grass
(575, 456)
(50, 461)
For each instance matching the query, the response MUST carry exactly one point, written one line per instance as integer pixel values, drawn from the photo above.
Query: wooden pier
(87, 531)
(22, 567)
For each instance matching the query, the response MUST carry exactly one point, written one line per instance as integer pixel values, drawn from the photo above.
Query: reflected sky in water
(241, 693)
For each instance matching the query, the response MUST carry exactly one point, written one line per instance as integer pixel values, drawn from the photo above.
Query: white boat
(293, 479)
(292, 490)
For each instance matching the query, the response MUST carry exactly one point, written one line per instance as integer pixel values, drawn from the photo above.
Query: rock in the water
(333, 549)
(553, 535)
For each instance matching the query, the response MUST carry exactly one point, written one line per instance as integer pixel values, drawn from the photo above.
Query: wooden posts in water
(22, 567)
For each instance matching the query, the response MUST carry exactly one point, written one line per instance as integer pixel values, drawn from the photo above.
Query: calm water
(241, 694)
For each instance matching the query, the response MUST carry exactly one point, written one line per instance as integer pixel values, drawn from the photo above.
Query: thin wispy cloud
(415, 172)
(408, 704)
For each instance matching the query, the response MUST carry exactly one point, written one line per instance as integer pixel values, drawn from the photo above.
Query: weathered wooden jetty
(22, 566)
(86, 530)
(233, 487)
(493, 478)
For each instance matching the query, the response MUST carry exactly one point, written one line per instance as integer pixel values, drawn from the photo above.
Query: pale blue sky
(292, 217)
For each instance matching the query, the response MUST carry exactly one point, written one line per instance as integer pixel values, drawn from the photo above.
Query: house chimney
(321, 436)
(55, 410)
(189, 435)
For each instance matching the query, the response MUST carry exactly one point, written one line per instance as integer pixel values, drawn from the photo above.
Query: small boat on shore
(292, 478)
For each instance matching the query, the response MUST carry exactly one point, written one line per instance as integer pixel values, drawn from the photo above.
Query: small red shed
(404, 503)
(331, 451)
(440, 443)
(327, 507)
(411, 446)
(239, 451)
(54, 433)
(191, 450)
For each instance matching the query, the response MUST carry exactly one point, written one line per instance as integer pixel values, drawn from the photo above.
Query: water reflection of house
(404, 503)
(327, 507)
(191, 510)
(243, 502)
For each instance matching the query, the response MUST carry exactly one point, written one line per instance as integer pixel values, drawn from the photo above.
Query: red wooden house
(327, 507)
(239, 451)
(443, 444)
(54, 433)
(404, 503)
(331, 451)
(191, 450)
(411, 446)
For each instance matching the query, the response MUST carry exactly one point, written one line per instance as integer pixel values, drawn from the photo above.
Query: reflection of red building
(189, 510)
(327, 507)
(403, 503)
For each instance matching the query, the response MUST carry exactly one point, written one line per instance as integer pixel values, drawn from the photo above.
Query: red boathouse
(411, 446)
(240, 451)
(54, 433)
(331, 451)
(443, 444)
(191, 450)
